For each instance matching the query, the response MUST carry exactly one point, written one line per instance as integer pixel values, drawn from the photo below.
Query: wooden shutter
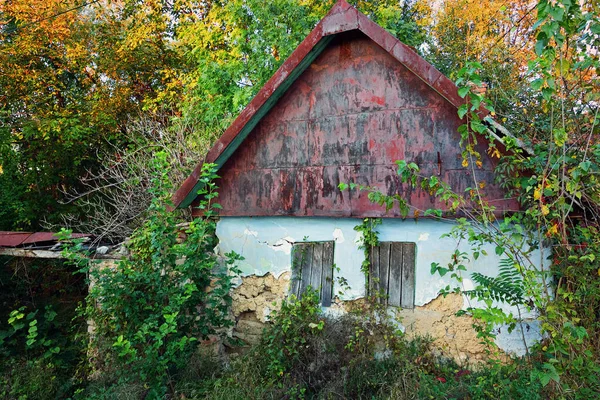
(312, 264)
(393, 272)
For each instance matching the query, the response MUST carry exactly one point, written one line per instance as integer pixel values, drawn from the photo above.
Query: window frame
(304, 268)
(397, 274)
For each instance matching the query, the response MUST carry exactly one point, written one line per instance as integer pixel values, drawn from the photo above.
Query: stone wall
(254, 300)
(453, 336)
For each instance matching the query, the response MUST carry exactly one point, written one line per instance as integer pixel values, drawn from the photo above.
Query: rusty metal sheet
(49, 237)
(23, 239)
(348, 118)
(40, 237)
(13, 239)
(341, 20)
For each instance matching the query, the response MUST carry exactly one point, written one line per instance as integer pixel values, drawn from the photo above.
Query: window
(392, 272)
(312, 264)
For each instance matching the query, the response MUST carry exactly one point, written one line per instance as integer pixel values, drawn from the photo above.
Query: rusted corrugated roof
(342, 18)
(27, 239)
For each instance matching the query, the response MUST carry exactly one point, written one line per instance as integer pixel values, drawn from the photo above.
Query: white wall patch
(284, 245)
(338, 235)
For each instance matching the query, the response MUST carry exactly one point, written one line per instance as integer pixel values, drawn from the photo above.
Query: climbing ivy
(370, 239)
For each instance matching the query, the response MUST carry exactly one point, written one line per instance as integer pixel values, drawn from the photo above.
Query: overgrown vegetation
(77, 78)
(41, 339)
(360, 356)
(74, 81)
(554, 181)
(149, 311)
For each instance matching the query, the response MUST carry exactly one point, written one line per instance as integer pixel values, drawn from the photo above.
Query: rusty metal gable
(352, 113)
(341, 18)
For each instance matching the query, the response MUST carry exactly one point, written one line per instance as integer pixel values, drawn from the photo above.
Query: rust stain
(342, 18)
(25, 239)
(349, 121)
(378, 99)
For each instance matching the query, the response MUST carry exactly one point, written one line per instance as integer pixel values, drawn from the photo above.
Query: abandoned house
(349, 102)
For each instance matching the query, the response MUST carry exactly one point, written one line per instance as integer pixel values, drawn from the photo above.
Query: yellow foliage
(545, 210)
(494, 152)
(553, 230)
(494, 32)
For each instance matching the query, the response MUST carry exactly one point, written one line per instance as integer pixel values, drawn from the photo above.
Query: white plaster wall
(266, 244)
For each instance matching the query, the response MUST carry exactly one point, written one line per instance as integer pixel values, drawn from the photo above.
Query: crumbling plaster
(266, 245)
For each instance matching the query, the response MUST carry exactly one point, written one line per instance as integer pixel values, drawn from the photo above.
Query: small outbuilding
(348, 103)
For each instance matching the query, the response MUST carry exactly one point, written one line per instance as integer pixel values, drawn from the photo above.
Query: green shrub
(360, 355)
(150, 309)
(41, 341)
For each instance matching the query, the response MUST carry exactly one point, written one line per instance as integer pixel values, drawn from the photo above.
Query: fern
(507, 287)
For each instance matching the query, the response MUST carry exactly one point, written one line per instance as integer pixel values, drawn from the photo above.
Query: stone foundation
(254, 300)
(453, 336)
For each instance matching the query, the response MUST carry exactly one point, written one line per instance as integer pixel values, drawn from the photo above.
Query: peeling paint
(284, 245)
(359, 239)
(512, 342)
(270, 258)
(250, 233)
(349, 118)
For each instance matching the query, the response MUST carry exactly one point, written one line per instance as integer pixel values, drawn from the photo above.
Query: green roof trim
(262, 111)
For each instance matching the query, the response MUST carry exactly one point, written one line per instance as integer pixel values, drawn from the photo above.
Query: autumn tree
(71, 75)
(497, 34)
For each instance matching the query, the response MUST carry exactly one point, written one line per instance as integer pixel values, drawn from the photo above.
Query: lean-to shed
(349, 102)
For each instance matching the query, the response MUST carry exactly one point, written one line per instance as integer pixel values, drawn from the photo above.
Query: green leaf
(542, 42)
(585, 165)
(475, 101)
(434, 267)
(547, 93)
(463, 91)
(537, 84)
(560, 137)
(478, 127)
(557, 13)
